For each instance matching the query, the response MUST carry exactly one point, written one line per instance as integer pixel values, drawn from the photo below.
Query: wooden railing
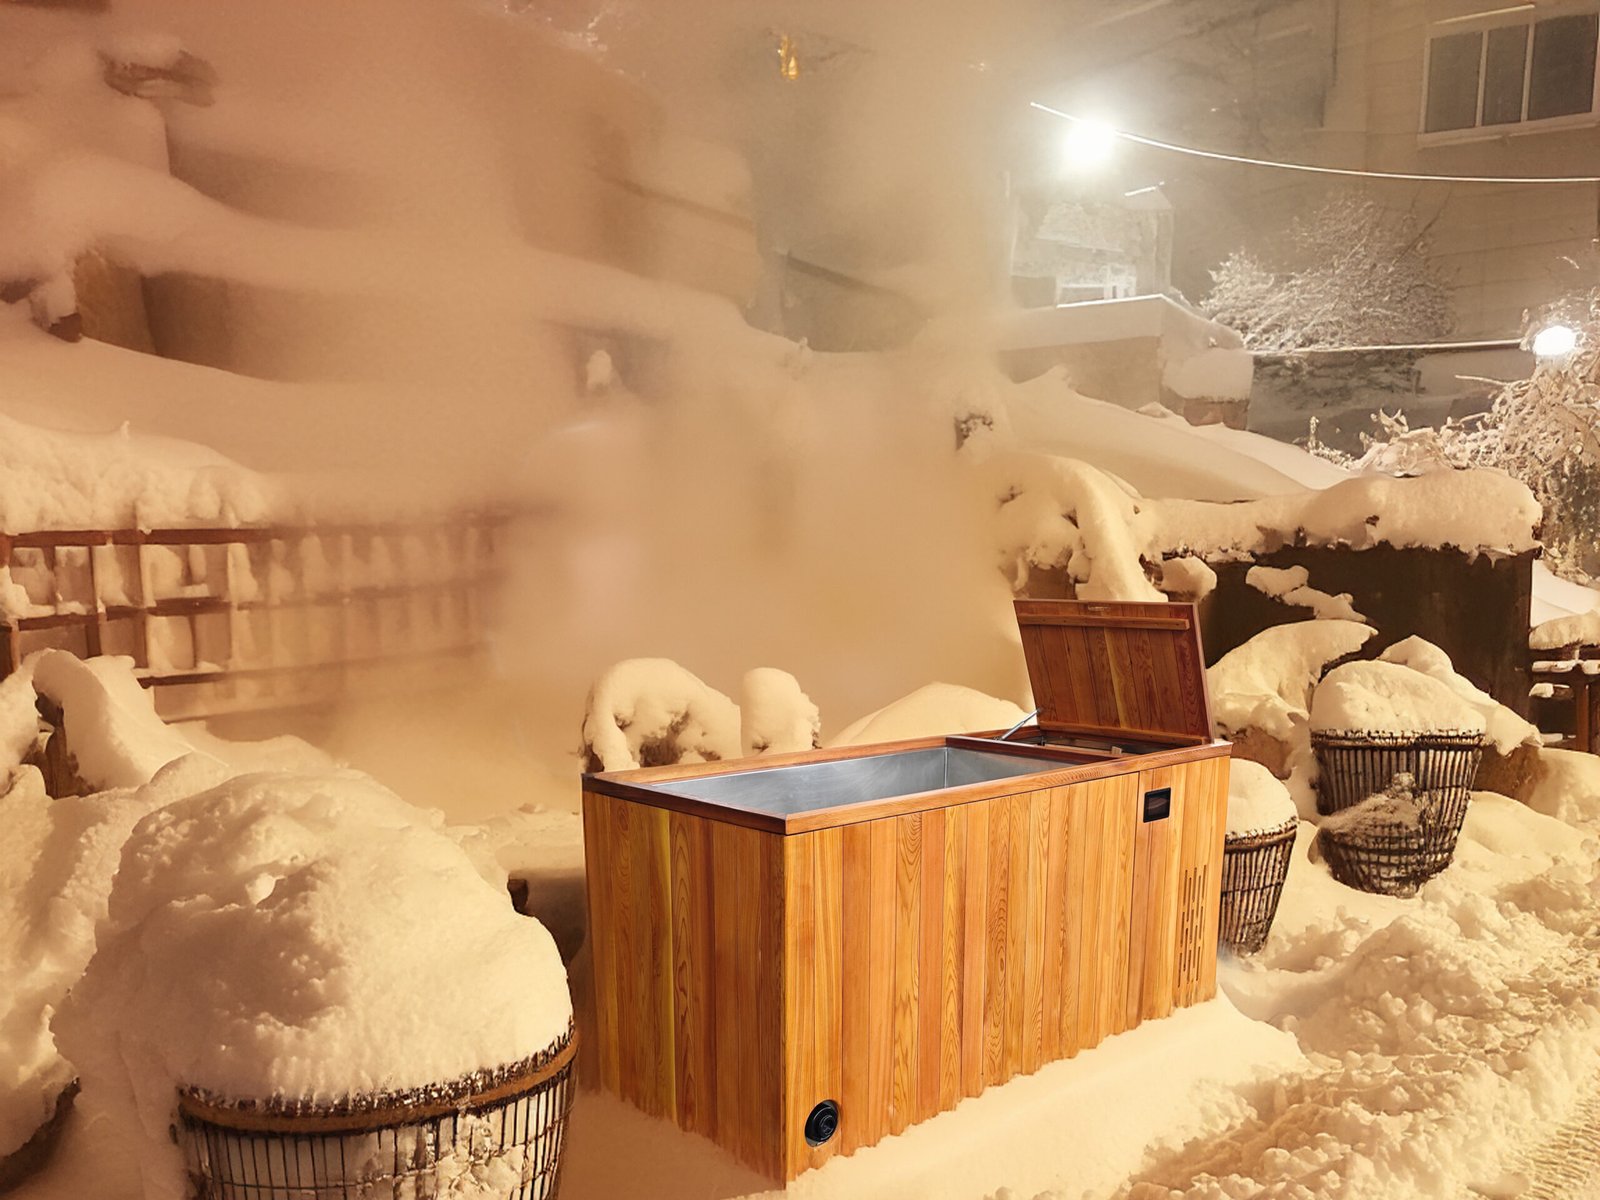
(1571, 675)
(223, 619)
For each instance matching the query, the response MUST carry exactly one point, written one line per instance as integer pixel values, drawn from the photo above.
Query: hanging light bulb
(788, 58)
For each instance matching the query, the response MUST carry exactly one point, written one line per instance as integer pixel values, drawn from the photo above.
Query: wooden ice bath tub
(870, 934)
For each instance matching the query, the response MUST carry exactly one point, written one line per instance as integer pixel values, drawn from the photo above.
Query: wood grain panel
(996, 940)
(952, 956)
(975, 949)
(1119, 800)
(880, 1060)
(1033, 948)
(930, 966)
(1123, 669)
(1016, 935)
(600, 862)
(907, 916)
(1080, 831)
(814, 949)
(800, 1001)
(693, 986)
(1056, 907)
(858, 1033)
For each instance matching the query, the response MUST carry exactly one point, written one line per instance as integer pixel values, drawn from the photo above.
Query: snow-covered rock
(929, 711)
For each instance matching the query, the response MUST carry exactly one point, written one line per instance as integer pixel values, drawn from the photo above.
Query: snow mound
(929, 711)
(113, 731)
(1266, 683)
(1292, 585)
(304, 936)
(19, 721)
(651, 710)
(1578, 629)
(1474, 511)
(1218, 373)
(1257, 801)
(1566, 785)
(776, 716)
(1385, 697)
(1061, 514)
(57, 861)
(58, 480)
(1505, 729)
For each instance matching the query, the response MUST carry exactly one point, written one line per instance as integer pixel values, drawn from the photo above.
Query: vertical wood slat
(1016, 934)
(952, 956)
(974, 949)
(858, 1034)
(768, 901)
(1033, 947)
(727, 1033)
(995, 964)
(930, 965)
(652, 848)
(800, 999)
(1056, 906)
(694, 990)
(881, 978)
(1210, 854)
(828, 963)
(602, 1057)
(907, 932)
(1119, 802)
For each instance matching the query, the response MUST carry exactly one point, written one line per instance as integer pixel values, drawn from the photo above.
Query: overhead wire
(1310, 168)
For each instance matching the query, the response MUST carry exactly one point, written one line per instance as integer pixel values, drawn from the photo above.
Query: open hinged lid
(1117, 670)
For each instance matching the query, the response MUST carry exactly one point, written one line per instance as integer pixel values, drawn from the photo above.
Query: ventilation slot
(1191, 934)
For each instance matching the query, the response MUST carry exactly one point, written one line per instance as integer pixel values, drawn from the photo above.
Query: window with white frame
(1510, 72)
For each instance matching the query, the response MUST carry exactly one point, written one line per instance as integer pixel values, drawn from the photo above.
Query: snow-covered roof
(1110, 321)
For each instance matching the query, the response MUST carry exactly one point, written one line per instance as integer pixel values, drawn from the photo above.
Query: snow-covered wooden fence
(1566, 688)
(229, 619)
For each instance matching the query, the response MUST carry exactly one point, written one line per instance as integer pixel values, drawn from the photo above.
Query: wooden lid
(1117, 670)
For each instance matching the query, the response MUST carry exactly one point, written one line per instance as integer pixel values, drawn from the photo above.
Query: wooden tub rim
(1078, 765)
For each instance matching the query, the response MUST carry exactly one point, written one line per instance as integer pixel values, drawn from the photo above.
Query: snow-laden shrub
(653, 712)
(1350, 273)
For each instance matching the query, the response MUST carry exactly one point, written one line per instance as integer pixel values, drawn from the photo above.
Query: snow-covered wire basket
(1254, 867)
(494, 1133)
(1354, 765)
(1394, 856)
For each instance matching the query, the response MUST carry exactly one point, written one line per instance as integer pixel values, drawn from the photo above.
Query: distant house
(1434, 87)
(1441, 87)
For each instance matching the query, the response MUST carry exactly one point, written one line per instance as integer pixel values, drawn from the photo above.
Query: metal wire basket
(1396, 858)
(502, 1131)
(1353, 766)
(1254, 867)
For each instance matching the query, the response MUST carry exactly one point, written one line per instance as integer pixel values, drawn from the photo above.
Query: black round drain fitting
(823, 1122)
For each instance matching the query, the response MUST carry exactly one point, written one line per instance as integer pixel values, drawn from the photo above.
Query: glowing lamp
(1555, 341)
(1089, 144)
